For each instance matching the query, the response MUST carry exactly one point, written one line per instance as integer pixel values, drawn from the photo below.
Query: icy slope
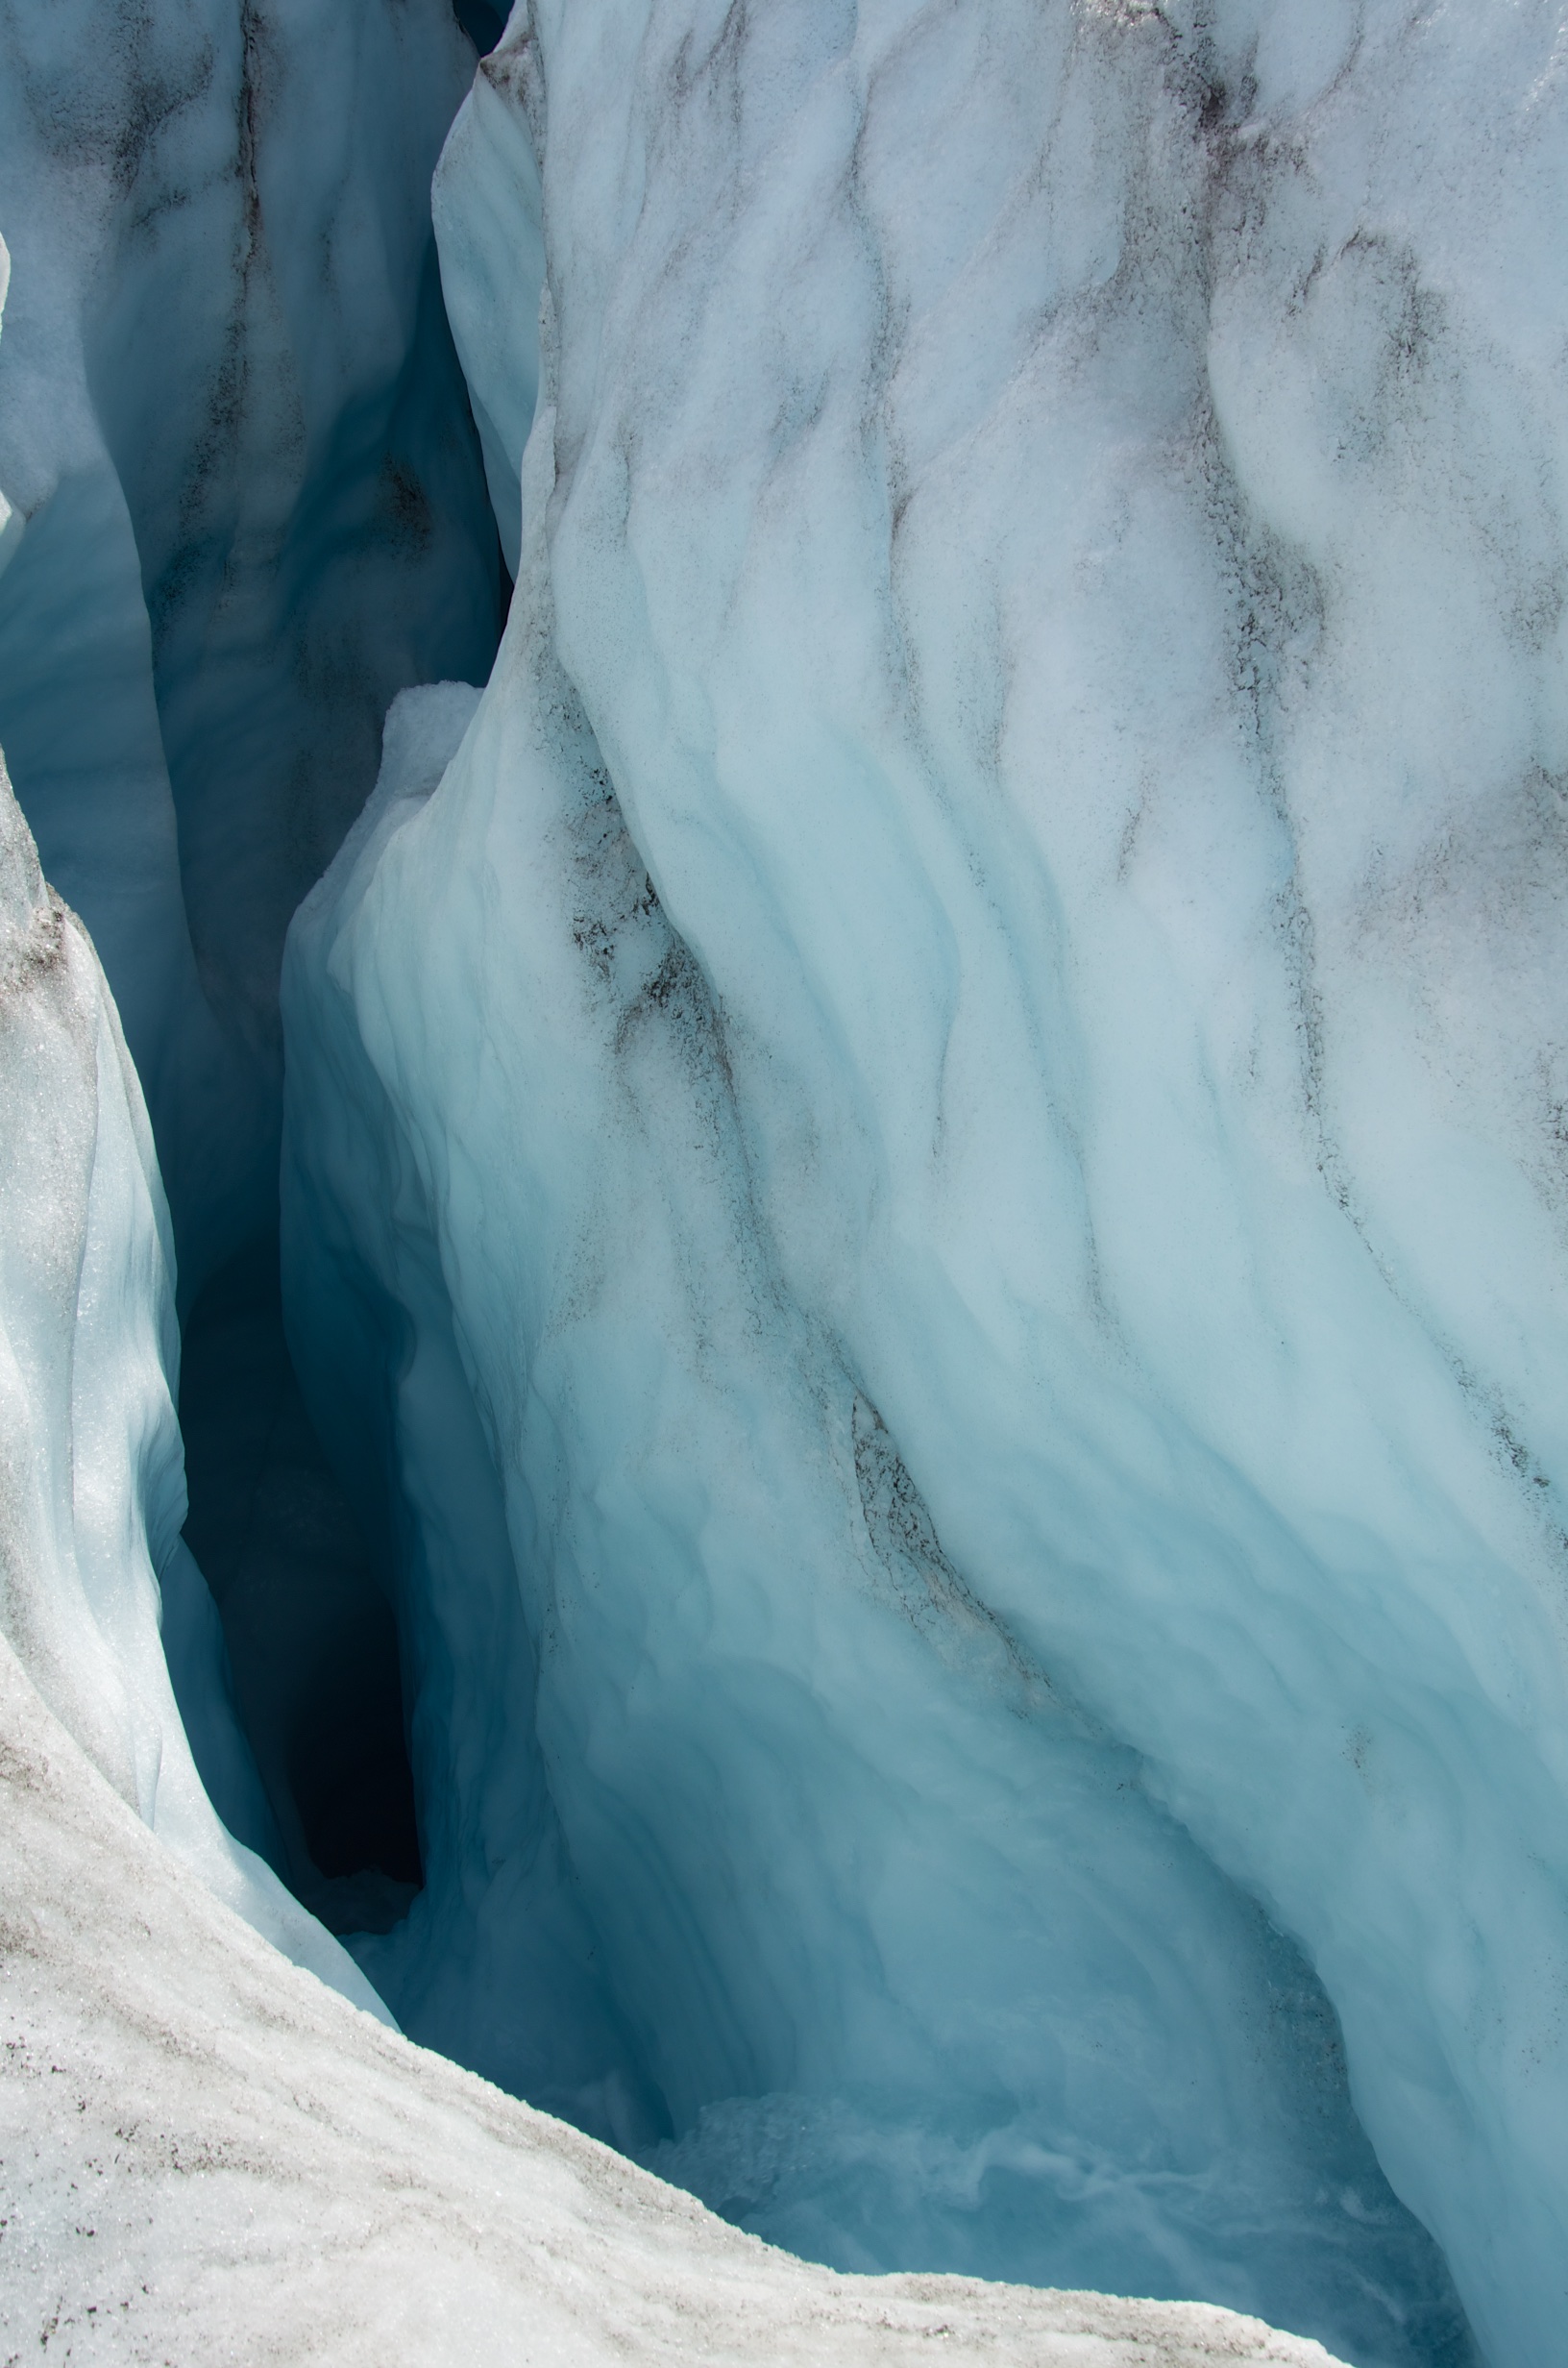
(746, 1812)
(91, 1484)
(247, 502)
(203, 2154)
(947, 1132)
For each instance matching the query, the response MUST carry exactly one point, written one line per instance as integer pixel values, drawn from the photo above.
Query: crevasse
(243, 504)
(91, 1489)
(951, 1102)
(922, 1154)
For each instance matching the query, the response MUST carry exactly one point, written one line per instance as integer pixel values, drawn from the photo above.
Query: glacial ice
(204, 2155)
(923, 1159)
(246, 504)
(242, 502)
(91, 1483)
(942, 1141)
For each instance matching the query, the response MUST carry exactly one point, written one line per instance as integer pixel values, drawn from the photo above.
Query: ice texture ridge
(929, 1185)
(243, 504)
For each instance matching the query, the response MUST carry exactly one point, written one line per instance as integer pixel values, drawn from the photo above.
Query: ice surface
(205, 2156)
(91, 1482)
(244, 501)
(485, 204)
(923, 1185)
(202, 1675)
(946, 1137)
(802, 1831)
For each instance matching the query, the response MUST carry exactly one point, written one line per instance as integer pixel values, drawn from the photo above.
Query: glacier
(933, 1101)
(244, 503)
(915, 1144)
(204, 2153)
(91, 1487)
(246, 506)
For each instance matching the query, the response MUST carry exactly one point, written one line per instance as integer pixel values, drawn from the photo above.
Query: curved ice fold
(745, 1791)
(973, 1040)
(486, 205)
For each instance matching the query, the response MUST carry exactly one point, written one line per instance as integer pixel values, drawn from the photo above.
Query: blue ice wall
(922, 1175)
(249, 504)
(243, 504)
(963, 1063)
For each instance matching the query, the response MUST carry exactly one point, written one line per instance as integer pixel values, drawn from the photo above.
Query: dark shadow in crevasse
(311, 1638)
(483, 23)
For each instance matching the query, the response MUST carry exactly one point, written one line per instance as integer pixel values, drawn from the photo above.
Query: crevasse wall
(246, 503)
(101, 1603)
(243, 502)
(92, 1485)
(742, 1817)
(967, 1056)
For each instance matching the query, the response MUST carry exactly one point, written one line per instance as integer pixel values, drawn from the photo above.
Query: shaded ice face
(233, 420)
(1005, 878)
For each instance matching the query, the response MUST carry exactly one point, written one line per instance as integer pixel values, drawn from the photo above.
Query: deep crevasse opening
(310, 1637)
(897, 1463)
(244, 505)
